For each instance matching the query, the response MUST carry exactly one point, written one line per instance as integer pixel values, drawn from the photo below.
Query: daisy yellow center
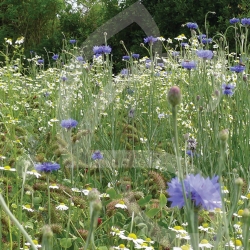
(205, 225)
(237, 243)
(121, 246)
(178, 228)
(185, 247)
(144, 244)
(248, 196)
(240, 212)
(35, 242)
(62, 204)
(217, 209)
(204, 242)
(133, 236)
(148, 239)
(89, 188)
(27, 206)
(7, 168)
(121, 202)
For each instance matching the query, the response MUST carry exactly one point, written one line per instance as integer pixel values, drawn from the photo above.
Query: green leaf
(163, 200)
(144, 201)
(152, 212)
(66, 242)
(112, 193)
(29, 224)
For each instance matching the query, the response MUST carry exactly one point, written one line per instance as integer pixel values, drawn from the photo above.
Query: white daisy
(28, 208)
(62, 206)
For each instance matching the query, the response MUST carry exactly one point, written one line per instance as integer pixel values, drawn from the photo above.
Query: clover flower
(150, 39)
(238, 68)
(97, 155)
(188, 65)
(227, 89)
(192, 25)
(205, 54)
(47, 167)
(234, 20)
(68, 124)
(245, 21)
(202, 192)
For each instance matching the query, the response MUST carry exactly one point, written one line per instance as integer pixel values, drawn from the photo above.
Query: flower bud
(239, 181)
(246, 213)
(224, 135)
(93, 194)
(174, 96)
(97, 205)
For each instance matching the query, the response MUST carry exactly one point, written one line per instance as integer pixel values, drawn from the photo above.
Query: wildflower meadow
(154, 157)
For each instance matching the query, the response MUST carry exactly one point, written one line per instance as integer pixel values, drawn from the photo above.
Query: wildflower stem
(49, 208)
(176, 144)
(16, 222)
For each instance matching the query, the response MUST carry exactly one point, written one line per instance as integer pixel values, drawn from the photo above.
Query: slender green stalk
(16, 222)
(49, 208)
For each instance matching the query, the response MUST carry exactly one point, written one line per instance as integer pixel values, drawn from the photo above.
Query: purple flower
(136, 56)
(72, 41)
(227, 89)
(125, 57)
(68, 124)
(201, 36)
(175, 53)
(206, 40)
(160, 65)
(234, 20)
(245, 21)
(150, 39)
(184, 44)
(188, 65)
(47, 167)
(97, 155)
(124, 72)
(64, 78)
(55, 57)
(205, 54)
(205, 193)
(99, 50)
(40, 61)
(79, 58)
(192, 25)
(238, 68)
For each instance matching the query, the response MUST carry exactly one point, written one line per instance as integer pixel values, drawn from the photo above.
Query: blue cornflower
(192, 25)
(184, 44)
(64, 78)
(79, 58)
(47, 167)
(188, 65)
(201, 36)
(245, 21)
(99, 50)
(238, 68)
(227, 89)
(136, 56)
(40, 61)
(206, 40)
(175, 53)
(97, 155)
(234, 20)
(150, 39)
(124, 72)
(68, 124)
(205, 193)
(125, 57)
(160, 65)
(205, 54)
(72, 41)
(55, 57)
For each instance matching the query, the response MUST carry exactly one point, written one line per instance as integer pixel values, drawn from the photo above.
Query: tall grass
(128, 118)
